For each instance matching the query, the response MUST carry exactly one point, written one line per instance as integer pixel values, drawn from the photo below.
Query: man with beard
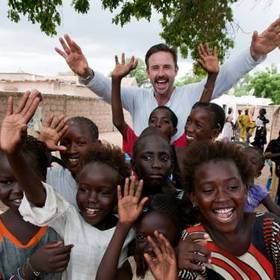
(162, 68)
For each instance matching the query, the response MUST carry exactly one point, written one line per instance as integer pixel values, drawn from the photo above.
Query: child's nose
(72, 148)
(158, 124)
(156, 163)
(92, 197)
(221, 195)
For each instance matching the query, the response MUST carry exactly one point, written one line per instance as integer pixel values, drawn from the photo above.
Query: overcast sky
(23, 47)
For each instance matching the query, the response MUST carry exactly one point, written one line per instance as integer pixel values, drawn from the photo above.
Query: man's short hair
(161, 48)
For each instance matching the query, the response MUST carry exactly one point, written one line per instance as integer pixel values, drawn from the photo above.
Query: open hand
(74, 56)
(52, 257)
(164, 265)
(14, 124)
(52, 131)
(122, 69)
(208, 59)
(267, 41)
(130, 204)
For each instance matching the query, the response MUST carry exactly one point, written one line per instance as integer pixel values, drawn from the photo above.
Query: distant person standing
(236, 129)
(260, 136)
(273, 152)
(246, 126)
(227, 134)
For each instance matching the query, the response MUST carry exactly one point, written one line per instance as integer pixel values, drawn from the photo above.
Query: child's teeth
(91, 211)
(73, 160)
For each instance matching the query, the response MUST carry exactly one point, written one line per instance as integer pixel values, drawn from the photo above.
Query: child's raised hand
(208, 59)
(14, 125)
(164, 265)
(52, 131)
(130, 204)
(122, 69)
(52, 257)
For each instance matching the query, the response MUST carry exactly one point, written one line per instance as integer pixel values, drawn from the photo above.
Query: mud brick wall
(93, 108)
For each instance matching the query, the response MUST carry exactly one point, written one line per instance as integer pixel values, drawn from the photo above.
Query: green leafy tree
(242, 88)
(46, 13)
(266, 84)
(185, 23)
(188, 79)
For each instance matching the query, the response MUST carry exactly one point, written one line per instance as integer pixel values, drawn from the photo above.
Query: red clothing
(130, 141)
(260, 262)
(131, 138)
(181, 141)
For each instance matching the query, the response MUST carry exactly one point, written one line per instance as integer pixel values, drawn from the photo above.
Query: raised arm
(120, 71)
(130, 206)
(267, 41)
(98, 83)
(235, 68)
(13, 132)
(210, 63)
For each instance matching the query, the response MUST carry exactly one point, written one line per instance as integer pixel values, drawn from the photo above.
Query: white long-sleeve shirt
(140, 102)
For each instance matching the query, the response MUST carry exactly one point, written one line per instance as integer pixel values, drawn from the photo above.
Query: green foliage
(139, 73)
(44, 12)
(263, 84)
(267, 84)
(189, 79)
(242, 87)
(185, 23)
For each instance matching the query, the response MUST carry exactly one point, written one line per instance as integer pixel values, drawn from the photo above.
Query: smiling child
(243, 245)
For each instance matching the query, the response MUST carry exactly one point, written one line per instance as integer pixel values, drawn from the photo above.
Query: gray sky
(24, 47)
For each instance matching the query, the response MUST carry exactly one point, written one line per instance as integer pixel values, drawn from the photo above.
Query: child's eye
(82, 189)
(199, 126)
(81, 143)
(106, 193)
(164, 158)
(208, 191)
(147, 157)
(6, 182)
(233, 188)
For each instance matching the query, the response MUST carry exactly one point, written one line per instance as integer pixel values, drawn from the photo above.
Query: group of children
(183, 210)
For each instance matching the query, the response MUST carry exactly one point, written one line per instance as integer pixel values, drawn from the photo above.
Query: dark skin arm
(120, 71)
(271, 206)
(192, 253)
(210, 63)
(50, 258)
(13, 132)
(130, 206)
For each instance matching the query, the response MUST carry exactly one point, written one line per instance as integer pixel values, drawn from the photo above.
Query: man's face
(162, 71)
